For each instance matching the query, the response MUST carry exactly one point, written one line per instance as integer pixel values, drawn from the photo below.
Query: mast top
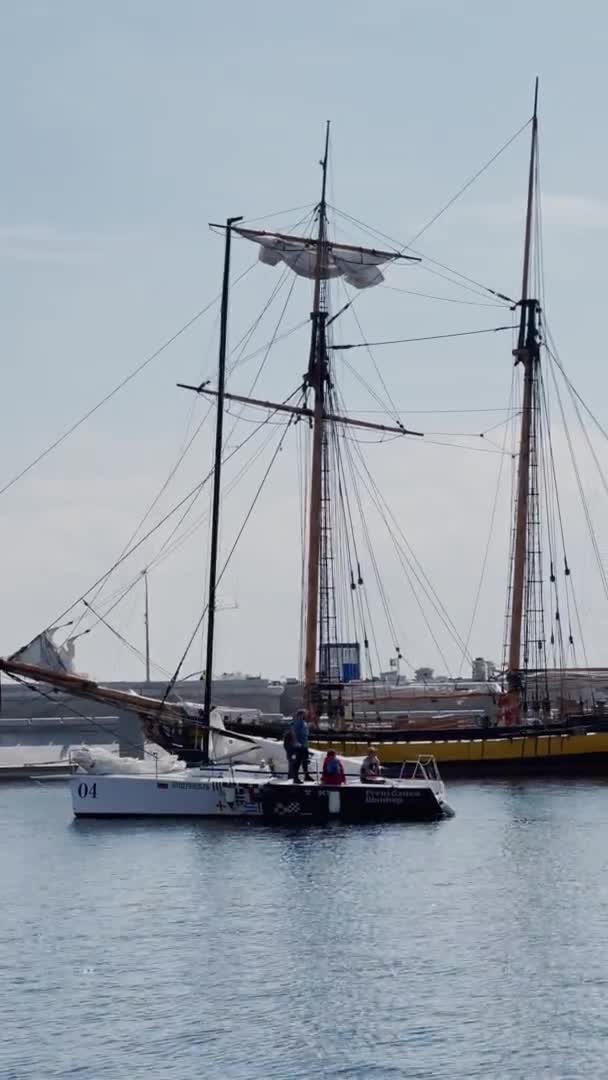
(529, 208)
(324, 161)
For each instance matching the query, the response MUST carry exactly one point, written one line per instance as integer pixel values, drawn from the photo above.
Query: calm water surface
(476, 947)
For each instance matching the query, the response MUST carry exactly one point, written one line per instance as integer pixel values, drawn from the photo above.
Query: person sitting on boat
(370, 767)
(300, 757)
(333, 771)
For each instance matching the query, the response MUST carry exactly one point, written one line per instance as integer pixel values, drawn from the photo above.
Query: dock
(37, 770)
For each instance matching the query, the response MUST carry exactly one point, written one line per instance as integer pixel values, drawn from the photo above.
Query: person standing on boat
(289, 746)
(300, 757)
(333, 771)
(370, 767)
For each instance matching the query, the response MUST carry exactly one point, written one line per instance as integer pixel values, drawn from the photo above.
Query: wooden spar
(526, 353)
(299, 410)
(317, 377)
(311, 242)
(87, 688)
(215, 511)
(79, 686)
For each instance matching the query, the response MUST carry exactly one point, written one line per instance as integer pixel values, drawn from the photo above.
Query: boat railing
(232, 765)
(421, 768)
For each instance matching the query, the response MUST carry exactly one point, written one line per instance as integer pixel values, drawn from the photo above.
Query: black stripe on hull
(381, 802)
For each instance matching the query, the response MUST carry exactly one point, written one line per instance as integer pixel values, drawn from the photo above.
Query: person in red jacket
(333, 772)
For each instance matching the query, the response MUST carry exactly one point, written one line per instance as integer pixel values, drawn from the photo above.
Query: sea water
(472, 947)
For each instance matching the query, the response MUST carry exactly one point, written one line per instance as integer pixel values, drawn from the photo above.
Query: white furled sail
(102, 762)
(358, 266)
(43, 652)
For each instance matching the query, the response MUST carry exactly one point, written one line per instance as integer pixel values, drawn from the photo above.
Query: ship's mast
(217, 475)
(317, 377)
(321, 412)
(526, 353)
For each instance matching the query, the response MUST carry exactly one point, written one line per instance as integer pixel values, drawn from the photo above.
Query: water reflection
(467, 948)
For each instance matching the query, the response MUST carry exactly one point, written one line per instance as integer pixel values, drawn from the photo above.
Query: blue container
(350, 672)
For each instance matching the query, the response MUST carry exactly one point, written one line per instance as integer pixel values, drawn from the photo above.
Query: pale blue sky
(128, 126)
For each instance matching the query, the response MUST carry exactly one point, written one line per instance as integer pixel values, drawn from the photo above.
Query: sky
(127, 128)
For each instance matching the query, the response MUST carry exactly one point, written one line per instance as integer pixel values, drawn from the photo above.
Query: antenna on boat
(215, 512)
(144, 574)
(527, 353)
(316, 379)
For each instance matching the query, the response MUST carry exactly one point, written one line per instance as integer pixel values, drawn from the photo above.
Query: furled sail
(43, 651)
(358, 266)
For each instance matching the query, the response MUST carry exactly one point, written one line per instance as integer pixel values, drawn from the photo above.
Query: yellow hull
(586, 750)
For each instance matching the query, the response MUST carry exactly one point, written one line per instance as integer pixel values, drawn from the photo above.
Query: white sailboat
(250, 781)
(243, 791)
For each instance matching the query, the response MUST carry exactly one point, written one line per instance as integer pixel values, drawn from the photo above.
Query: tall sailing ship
(536, 706)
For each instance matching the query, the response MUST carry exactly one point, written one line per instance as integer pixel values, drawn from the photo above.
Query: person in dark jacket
(333, 771)
(300, 730)
(289, 746)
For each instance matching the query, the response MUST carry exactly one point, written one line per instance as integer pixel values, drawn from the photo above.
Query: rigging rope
(239, 359)
(569, 590)
(468, 284)
(392, 411)
(123, 640)
(484, 561)
(469, 183)
(228, 559)
(128, 378)
(279, 213)
(446, 299)
(167, 549)
(191, 494)
(423, 580)
(125, 551)
(37, 689)
(581, 490)
(363, 598)
(428, 337)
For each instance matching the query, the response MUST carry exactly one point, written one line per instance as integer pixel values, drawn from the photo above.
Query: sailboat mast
(526, 353)
(316, 377)
(147, 622)
(217, 475)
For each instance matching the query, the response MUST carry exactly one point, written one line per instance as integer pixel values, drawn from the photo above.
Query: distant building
(483, 670)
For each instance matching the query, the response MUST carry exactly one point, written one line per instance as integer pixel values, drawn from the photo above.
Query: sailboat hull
(267, 801)
(163, 796)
